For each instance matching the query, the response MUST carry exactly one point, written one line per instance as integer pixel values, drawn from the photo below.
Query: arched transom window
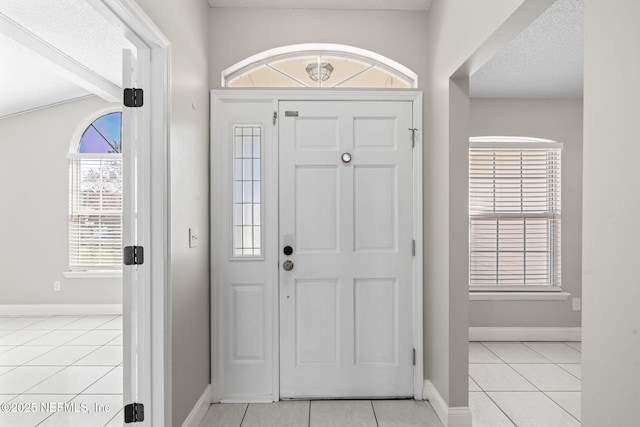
(95, 196)
(319, 66)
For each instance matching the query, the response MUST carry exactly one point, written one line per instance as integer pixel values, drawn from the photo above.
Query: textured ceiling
(544, 61)
(72, 27)
(75, 28)
(326, 4)
(24, 82)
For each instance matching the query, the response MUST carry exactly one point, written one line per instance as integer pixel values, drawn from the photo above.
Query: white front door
(346, 243)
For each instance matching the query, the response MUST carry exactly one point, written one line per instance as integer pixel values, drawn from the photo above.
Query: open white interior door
(136, 275)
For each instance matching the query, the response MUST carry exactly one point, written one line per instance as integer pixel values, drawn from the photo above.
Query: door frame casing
(152, 311)
(274, 96)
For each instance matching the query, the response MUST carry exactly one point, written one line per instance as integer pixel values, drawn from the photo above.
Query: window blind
(514, 215)
(95, 217)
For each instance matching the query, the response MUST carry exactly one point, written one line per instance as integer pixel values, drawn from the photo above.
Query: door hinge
(133, 97)
(413, 136)
(133, 255)
(275, 117)
(133, 413)
(414, 357)
(413, 247)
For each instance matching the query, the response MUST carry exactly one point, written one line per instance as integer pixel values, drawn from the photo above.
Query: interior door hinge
(413, 247)
(133, 97)
(414, 357)
(275, 117)
(413, 136)
(133, 413)
(133, 255)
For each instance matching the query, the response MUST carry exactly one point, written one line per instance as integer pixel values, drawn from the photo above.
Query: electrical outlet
(56, 286)
(576, 304)
(193, 238)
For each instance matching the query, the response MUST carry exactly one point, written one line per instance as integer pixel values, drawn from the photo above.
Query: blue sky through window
(103, 136)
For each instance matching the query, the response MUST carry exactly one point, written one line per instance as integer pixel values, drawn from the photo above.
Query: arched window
(319, 66)
(95, 196)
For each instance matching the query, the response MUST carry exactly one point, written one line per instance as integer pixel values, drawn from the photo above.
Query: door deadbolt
(288, 250)
(287, 265)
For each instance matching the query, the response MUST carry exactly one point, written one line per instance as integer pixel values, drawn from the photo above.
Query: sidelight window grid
(514, 215)
(247, 216)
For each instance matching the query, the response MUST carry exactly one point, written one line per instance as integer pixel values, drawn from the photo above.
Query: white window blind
(514, 215)
(95, 217)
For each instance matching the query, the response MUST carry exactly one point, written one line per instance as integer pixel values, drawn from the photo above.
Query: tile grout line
(374, 413)
(53, 413)
(571, 373)
(63, 367)
(113, 368)
(500, 408)
(527, 380)
(114, 417)
(494, 402)
(517, 342)
(489, 350)
(516, 372)
(76, 395)
(246, 409)
(562, 407)
(538, 390)
(552, 342)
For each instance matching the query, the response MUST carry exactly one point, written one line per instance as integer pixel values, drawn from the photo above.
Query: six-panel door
(345, 209)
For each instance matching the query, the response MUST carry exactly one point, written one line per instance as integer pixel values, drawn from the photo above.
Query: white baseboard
(59, 309)
(524, 334)
(199, 410)
(450, 417)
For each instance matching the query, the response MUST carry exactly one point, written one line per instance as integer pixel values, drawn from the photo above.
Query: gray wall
(611, 202)
(456, 30)
(34, 219)
(185, 23)
(400, 36)
(239, 33)
(559, 120)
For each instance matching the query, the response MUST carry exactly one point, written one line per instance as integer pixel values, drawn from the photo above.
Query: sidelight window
(247, 217)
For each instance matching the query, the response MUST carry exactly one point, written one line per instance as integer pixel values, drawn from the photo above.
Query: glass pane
(103, 136)
(518, 189)
(246, 194)
(95, 223)
(376, 77)
(264, 77)
(296, 69)
(318, 69)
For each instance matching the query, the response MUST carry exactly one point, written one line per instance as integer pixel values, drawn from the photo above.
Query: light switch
(193, 238)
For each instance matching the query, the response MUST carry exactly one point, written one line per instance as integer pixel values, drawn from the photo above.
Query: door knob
(287, 265)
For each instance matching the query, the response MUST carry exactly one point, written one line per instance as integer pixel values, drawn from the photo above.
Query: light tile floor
(75, 362)
(533, 384)
(525, 384)
(61, 371)
(323, 413)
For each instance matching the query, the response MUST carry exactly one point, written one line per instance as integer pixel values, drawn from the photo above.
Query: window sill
(518, 296)
(93, 274)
